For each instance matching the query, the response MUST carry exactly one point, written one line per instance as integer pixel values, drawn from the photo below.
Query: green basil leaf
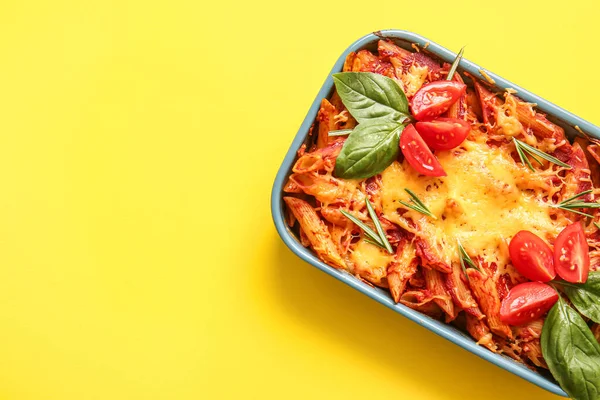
(571, 352)
(369, 96)
(586, 297)
(369, 149)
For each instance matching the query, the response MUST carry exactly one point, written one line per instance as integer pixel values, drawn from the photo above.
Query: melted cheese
(370, 261)
(414, 79)
(506, 117)
(486, 198)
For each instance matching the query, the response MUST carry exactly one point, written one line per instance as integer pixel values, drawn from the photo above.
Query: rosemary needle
(573, 206)
(455, 64)
(417, 204)
(378, 226)
(523, 148)
(464, 257)
(339, 132)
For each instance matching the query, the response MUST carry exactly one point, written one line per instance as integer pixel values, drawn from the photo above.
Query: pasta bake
(468, 205)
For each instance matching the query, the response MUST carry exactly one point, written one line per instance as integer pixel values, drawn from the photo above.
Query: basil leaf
(586, 297)
(571, 352)
(369, 149)
(369, 96)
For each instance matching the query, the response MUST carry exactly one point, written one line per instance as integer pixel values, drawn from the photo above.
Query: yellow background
(138, 145)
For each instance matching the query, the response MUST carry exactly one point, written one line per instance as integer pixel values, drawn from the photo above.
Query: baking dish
(571, 123)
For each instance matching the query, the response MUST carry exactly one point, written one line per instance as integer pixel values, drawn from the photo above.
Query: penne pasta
(304, 239)
(315, 231)
(342, 238)
(388, 49)
(327, 122)
(480, 332)
(402, 269)
(458, 109)
(432, 255)
(485, 292)
(435, 284)
(422, 301)
(325, 188)
(320, 160)
(538, 122)
(489, 104)
(291, 187)
(593, 160)
(333, 215)
(455, 284)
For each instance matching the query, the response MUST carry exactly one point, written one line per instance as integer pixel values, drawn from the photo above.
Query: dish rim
(567, 120)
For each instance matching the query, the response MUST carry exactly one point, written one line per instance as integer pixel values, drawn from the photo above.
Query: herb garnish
(597, 226)
(369, 96)
(523, 148)
(378, 226)
(370, 148)
(571, 205)
(571, 352)
(465, 259)
(585, 296)
(380, 106)
(378, 238)
(455, 64)
(416, 204)
(339, 132)
(370, 233)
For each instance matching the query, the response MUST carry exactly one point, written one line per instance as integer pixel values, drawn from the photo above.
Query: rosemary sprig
(339, 132)
(416, 204)
(525, 159)
(370, 233)
(378, 226)
(376, 238)
(464, 258)
(455, 64)
(596, 225)
(524, 150)
(571, 205)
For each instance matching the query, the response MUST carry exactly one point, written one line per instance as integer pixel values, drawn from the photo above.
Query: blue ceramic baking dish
(404, 39)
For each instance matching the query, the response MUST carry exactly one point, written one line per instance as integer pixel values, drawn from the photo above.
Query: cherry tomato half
(443, 133)
(435, 98)
(571, 254)
(418, 154)
(527, 302)
(532, 257)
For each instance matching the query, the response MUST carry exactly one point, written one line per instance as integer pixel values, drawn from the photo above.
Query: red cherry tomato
(443, 133)
(418, 154)
(532, 257)
(571, 254)
(527, 302)
(435, 98)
